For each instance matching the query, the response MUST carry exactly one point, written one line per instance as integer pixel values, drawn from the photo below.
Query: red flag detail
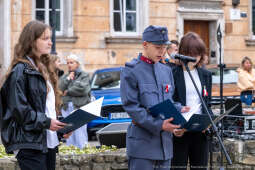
(205, 92)
(167, 88)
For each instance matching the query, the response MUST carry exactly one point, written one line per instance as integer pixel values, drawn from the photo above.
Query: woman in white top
(193, 145)
(246, 80)
(30, 99)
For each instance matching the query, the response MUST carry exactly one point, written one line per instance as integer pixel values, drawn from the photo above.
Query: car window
(229, 76)
(106, 80)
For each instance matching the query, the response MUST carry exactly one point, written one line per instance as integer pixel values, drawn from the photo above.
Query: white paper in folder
(94, 107)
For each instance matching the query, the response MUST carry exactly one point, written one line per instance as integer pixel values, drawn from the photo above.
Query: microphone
(184, 58)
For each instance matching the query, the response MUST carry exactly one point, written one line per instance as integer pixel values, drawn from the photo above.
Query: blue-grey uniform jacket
(142, 86)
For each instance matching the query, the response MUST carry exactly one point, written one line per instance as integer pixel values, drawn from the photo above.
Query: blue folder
(76, 120)
(197, 122)
(166, 110)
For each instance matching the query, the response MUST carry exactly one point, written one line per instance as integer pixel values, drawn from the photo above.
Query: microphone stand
(211, 150)
(221, 66)
(207, 112)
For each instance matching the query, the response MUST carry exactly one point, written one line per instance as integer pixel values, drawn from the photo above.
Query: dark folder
(82, 116)
(197, 122)
(200, 122)
(166, 109)
(76, 120)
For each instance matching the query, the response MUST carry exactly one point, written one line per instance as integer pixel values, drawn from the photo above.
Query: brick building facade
(107, 33)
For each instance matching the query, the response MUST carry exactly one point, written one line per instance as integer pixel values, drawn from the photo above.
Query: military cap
(156, 35)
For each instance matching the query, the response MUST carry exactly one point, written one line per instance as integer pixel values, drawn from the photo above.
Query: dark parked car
(106, 83)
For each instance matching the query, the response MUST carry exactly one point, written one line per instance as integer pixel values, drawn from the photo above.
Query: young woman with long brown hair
(31, 99)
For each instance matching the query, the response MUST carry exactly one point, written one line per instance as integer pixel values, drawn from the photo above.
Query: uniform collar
(146, 60)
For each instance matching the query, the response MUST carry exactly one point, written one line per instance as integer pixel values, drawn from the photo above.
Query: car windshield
(106, 80)
(229, 76)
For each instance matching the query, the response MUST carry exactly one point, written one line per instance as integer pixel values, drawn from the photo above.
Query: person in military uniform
(146, 82)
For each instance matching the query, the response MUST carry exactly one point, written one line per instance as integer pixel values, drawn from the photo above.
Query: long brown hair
(192, 45)
(26, 46)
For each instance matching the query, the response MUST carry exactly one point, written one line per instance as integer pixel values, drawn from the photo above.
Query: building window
(125, 17)
(64, 10)
(43, 11)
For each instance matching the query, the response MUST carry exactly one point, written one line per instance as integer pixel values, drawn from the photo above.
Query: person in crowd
(144, 83)
(206, 61)
(30, 98)
(193, 145)
(246, 80)
(172, 49)
(75, 86)
(57, 63)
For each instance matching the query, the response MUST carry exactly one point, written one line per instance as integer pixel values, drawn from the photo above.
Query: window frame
(251, 21)
(124, 32)
(47, 14)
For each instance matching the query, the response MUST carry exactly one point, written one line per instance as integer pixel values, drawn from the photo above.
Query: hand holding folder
(197, 122)
(166, 110)
(82, 116)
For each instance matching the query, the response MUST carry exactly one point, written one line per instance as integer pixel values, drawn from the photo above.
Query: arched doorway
(202, 17)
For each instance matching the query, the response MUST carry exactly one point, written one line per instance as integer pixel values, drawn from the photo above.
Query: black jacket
(23, 119)
(205, 77)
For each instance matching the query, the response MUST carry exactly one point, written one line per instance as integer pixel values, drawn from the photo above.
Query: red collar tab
(146, 60)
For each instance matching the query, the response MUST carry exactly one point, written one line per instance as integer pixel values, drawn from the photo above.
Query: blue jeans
(246, 98)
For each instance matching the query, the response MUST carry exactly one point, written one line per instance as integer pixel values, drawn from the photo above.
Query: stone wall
(242, 154)
(101, 161)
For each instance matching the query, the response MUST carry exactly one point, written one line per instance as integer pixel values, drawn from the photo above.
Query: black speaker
(113, 134)
(231, 103)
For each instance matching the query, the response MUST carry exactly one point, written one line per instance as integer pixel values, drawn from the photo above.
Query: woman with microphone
(193, 145)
